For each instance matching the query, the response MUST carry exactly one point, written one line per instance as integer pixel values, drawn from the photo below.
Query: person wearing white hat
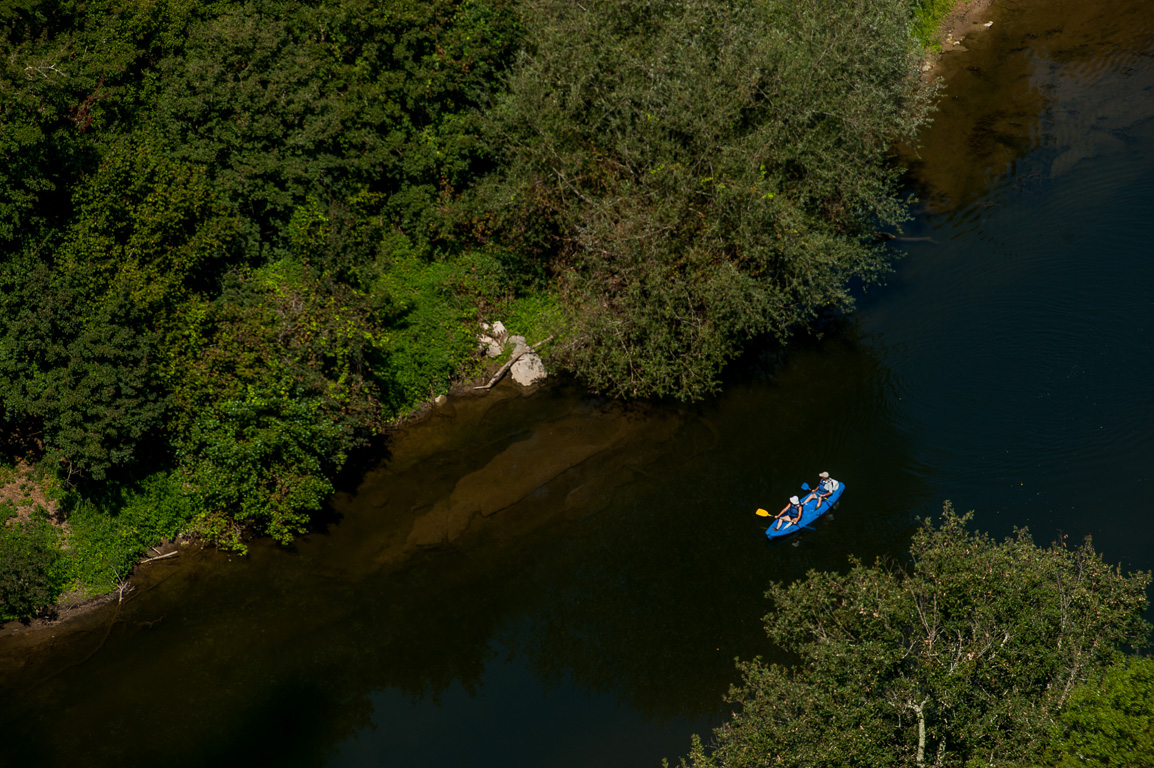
(826, 485)
(794, 505)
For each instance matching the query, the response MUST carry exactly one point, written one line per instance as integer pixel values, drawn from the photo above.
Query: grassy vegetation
(108, 536)
(54, 541)
(928, 18)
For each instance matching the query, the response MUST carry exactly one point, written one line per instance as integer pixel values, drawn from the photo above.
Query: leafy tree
(287, 100)
(32, 572)
(273, 385)
(1109, 720)
(82, 374)
(74, 73)
(698, 173)
(86, 315)
(965, 659)
(283, 329)
(262, 463)
(148, 229)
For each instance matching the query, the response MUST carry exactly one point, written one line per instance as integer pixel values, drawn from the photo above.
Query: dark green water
(1007, 366)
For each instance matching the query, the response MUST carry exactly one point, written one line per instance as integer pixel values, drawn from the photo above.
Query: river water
(555, 580)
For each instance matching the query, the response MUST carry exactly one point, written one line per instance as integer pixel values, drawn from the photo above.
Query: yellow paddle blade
(762, 513)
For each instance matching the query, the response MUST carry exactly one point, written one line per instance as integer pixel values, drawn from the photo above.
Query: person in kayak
(793, 506)
(826, 485)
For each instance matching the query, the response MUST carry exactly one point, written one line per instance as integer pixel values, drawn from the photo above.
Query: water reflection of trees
(1003, 101)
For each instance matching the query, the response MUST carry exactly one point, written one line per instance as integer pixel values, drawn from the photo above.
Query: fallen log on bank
(509, 364)
(173, 553)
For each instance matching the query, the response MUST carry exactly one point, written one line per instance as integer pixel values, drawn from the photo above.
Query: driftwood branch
(509, 364)
(124, 587)
(173, 553)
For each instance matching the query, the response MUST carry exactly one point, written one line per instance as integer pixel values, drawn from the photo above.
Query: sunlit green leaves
(966, 658)
(1109, 720)
(263, 462)
(148, 228)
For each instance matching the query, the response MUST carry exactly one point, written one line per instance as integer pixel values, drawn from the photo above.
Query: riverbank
(610, 639)
(74, 608)
(964, 19)
(960, 22)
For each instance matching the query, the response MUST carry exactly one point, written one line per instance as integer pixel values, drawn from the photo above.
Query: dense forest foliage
(239, 238)
(979, 653)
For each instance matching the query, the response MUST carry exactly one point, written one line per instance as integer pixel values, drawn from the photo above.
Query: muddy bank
(967, 18)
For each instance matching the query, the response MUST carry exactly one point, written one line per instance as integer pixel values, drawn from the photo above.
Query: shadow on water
(634, 573)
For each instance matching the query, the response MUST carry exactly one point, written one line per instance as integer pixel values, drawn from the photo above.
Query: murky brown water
(559, 580)
(1041, 75)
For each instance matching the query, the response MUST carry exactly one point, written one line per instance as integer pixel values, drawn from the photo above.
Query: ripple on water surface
(1023, 358)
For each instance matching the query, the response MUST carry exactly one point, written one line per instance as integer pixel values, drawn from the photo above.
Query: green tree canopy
(699, 173)
(200, 206)
(1109, 720)
(965, 659)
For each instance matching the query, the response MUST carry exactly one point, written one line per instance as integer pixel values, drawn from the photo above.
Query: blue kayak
(809, 512)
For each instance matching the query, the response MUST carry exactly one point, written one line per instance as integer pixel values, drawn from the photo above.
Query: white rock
(528, 369)
(489, 345)
(498, 332)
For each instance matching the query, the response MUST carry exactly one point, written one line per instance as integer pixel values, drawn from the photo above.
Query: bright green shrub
(432, 326)
(261, 463)
(536, 317)
(109, 535)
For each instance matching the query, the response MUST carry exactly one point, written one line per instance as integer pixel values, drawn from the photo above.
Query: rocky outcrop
(492, 339)
(524, 364)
